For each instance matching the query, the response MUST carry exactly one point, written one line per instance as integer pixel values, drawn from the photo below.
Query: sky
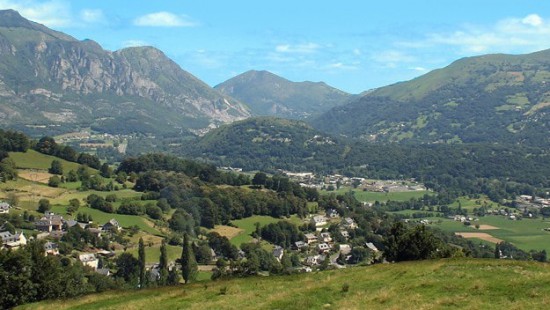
(353, 45)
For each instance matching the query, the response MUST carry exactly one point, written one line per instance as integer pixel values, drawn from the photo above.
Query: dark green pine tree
(163, 264)
(189, 266)
(141, 258)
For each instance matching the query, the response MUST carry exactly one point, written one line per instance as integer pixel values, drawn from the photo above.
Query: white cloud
(164, 19)
(341, 66)
(306, 48)
(391, 58)
(533, 20)
(53, 13)
(92, 16)
(419, 69)
(515, 35)
(134, 43)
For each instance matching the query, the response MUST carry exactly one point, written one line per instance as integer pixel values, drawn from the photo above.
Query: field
(247, 226)
(379, 196)
(526, 234)
(34, 160)
(457, 284)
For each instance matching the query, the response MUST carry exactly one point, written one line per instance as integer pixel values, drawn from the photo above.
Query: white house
(319, 220)
(89, 259)
(10, 240)
(4, 207)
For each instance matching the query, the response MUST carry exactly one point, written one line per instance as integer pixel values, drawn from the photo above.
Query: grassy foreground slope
(457, 283)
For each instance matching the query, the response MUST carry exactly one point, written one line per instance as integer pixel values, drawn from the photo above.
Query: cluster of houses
(320, 244)
(54, 226)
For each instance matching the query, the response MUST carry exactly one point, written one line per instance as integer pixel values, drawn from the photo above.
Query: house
(344, 233)
(319, 220)
(332, 213)
(345, 249)
(50, 222)
(94, 231)
(12, 241)
(111, 225)
(310, 238)
(300, 245)
(325, 237)
(51, 248)
(71, 223)
(323, 247)
(104, 271)
(349, 223)
(4, 207)
(89, 259)
(372, 247)
(278, 252)
(314, 260)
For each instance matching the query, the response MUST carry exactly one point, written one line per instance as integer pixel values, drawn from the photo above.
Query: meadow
(431, 284)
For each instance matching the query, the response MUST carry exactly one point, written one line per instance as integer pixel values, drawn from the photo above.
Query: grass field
(378, 196)
(34, 160)
(247, 226)
(439, 284)
(526, 234)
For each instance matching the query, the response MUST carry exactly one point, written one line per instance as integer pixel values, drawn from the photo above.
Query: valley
(128, 182)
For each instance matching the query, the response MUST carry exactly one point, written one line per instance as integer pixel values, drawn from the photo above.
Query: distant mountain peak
(268, 94)
(11, 18)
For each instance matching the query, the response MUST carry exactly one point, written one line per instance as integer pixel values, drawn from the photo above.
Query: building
(310, 238)
(89, 259)
(51, 248)
(4, 207)
(50, 222)
(319, 220)
(278, 253)
(111, 225)
(12, 241)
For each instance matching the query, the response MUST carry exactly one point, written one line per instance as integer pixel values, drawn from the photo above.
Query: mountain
(49, 79)
(491, 98)
(266, 143)
(270, 95)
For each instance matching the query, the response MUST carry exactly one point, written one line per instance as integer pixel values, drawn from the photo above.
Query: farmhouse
(319, 220)
(89, 259)
(50, 222)
(323, 247)
(51, 248)
(310, 238)
(349, 223)
(10, 240)
(4, 207)
(278, 252)
(111, 225)
(325, 237)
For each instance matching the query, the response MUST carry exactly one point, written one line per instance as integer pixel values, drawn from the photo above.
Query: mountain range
(50, 78)
(490, 99)
(270, 95)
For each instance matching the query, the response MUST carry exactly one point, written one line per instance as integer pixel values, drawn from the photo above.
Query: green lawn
(378, 196)
(152, 254)
(431, 284)
(34, 160)
(247, 224)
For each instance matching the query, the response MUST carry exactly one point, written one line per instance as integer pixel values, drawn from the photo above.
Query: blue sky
(352, 45)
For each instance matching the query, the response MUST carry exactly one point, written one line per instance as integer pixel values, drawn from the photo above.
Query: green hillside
(490, 98)
(458, 284)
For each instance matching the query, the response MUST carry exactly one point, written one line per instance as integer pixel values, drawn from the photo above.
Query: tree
(259, 179)
(128, 268)
(105, 171)
(141, 258)
(44, 205)
(56, 167)
(54, 181)
(163, 264)
(189, 266)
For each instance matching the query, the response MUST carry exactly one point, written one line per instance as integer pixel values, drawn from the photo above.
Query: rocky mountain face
(48, 79)
(270, 95)
(491, 98)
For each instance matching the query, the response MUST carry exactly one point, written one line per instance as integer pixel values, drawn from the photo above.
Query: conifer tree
(189, 266)
(141, 254)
